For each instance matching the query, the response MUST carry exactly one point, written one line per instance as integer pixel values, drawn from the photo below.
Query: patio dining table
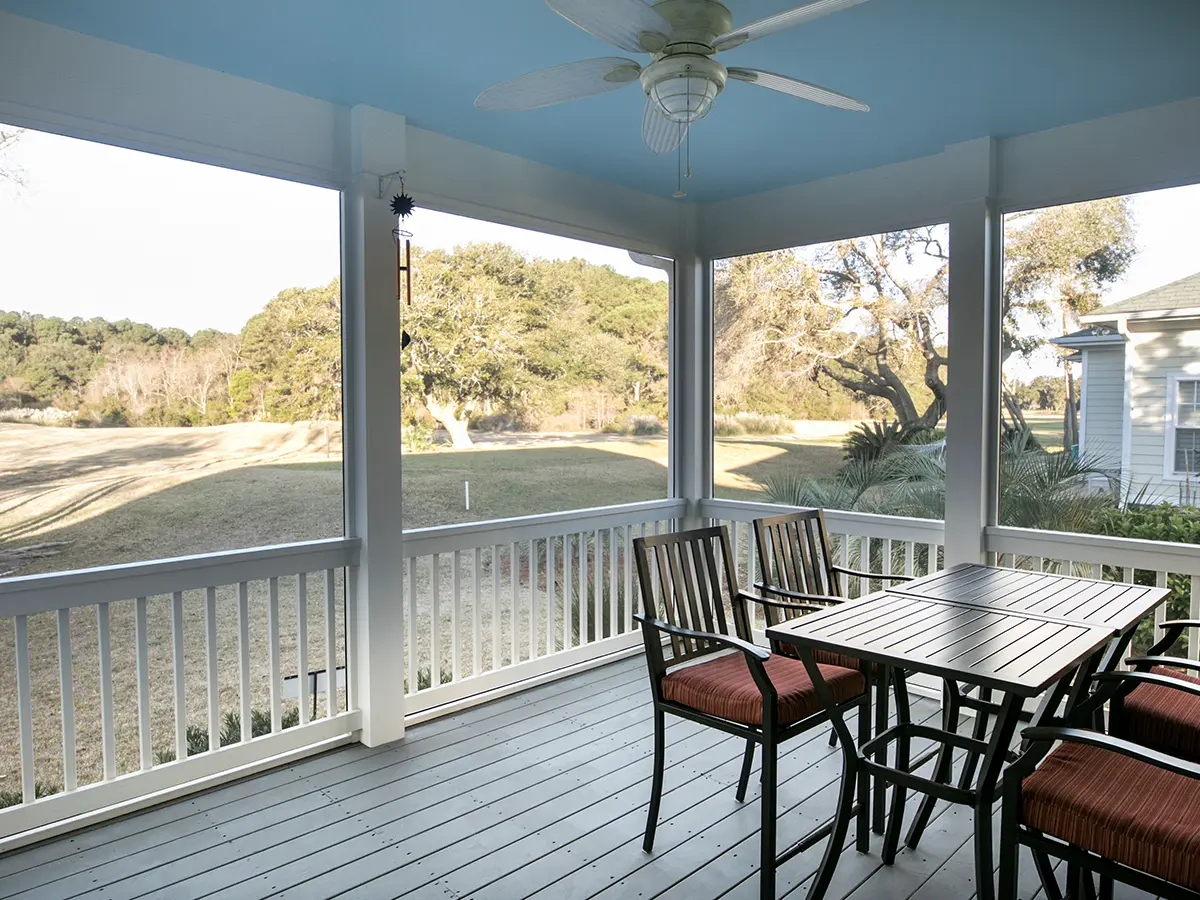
(1019, 634)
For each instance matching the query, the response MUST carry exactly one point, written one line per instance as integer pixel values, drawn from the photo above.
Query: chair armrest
(814, 599)
(1175, 662)
(1180, 623)
(1136, 678)
(753, 651)
(1050, 733)
(874, 576)
(780, 604)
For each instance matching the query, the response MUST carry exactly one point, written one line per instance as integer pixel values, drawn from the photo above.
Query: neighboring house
(1140, 389)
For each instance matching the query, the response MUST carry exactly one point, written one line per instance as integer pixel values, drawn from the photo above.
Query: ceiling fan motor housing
(684, 79)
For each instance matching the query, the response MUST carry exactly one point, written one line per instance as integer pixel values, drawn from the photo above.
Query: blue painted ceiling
(935, 72)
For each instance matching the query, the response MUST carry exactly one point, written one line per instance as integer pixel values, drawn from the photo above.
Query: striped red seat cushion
(724, 687)
(1163, 718)
(1120, 808)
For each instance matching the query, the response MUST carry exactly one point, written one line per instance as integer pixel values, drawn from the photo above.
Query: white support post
(973, 379)
(371, 366)
(691, 383)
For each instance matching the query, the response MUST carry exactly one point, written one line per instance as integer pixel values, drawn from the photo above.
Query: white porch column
(973, 379)
(371, 372)
(691, 383)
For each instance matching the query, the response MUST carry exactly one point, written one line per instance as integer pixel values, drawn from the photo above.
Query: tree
(9, 170)
(464, 339)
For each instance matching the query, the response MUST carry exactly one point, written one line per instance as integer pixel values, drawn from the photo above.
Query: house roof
(1174, 299)
(1091, 336)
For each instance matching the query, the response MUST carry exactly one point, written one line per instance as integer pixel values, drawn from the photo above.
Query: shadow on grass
(281, 503)
(785, 457)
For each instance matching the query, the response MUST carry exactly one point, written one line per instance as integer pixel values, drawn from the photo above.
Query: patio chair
(798, 572)
(1105, 805)
(717, 676)
(1157, 716)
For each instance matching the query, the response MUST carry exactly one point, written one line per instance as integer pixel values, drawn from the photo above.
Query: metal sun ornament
(402, 204)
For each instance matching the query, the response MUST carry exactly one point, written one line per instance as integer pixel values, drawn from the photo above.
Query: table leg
(989, 775)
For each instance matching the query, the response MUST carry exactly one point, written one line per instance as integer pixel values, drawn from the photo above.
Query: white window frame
(1169, 431)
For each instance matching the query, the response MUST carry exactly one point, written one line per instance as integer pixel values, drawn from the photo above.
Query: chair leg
(863, 824)
(832, 738)
(747, 764)
(1045, 869)
(841, 823)
(1106, 887)
(879, 792)
(767, 864)
(943, 769)
(1010, 851)
(979, 733)
(656, 785)
(891, 840)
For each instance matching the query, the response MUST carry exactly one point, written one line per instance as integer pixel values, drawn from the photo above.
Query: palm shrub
(231, 731)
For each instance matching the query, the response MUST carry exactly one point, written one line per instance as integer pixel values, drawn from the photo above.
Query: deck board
(539, 794)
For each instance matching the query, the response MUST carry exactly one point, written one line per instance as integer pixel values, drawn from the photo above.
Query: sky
(103, 231)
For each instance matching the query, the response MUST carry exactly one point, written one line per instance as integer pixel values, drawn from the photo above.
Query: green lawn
(1047, 427)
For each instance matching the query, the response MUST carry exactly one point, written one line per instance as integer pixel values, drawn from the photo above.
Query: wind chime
(402, 208)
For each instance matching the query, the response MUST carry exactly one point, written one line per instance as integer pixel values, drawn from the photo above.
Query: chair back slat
(794, 554)
(684, 584)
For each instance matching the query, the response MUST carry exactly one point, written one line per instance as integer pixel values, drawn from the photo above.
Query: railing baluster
(1160, 611)
(476, 617)
(568, 590)
(514, 572)
(614, 599)
(495, 607)
(331, 678)
(456, 612)
(302, 693)
(210, 653)
(410, 627)
(533, 603)
(627, 566)
(107, 726)
(177, 663)
(910, 551)
(66, 684)
(24, 709)
(551, 577)
(584, 611)
(597, 586)
(1193, 650)
(435, 621)
(141, 630)
(243, 623)
(864, 564)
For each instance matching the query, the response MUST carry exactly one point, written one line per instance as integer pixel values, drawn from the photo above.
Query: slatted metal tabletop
(1061, 597)
(1010, 651)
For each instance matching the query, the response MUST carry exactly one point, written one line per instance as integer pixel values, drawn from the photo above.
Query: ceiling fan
(683, 78)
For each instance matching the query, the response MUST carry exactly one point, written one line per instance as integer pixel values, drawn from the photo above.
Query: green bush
(231, 731)
(873, 440)
(40, 789)
(416, 438)
(756, 423)
(728, 426)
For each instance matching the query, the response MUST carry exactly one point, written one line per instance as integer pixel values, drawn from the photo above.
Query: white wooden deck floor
(541, 794)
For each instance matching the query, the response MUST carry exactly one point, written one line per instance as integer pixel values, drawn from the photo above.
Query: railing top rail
(921, 531)
(447, 538)
(30, 594)
(1135, 553)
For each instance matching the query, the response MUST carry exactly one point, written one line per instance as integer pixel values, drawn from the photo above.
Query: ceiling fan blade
(558, 84)
(629, 24)
(798, 88)
(778, 22)
(660, 133)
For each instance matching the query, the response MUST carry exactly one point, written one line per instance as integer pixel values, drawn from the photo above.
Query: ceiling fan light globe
(683, 86)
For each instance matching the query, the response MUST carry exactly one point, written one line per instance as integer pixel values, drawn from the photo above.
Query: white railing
(492, 605)
(1112, 558)
(135, 680)
(889, 544)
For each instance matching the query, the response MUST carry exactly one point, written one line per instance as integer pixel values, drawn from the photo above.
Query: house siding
(1104, 405)
(1158, 351)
